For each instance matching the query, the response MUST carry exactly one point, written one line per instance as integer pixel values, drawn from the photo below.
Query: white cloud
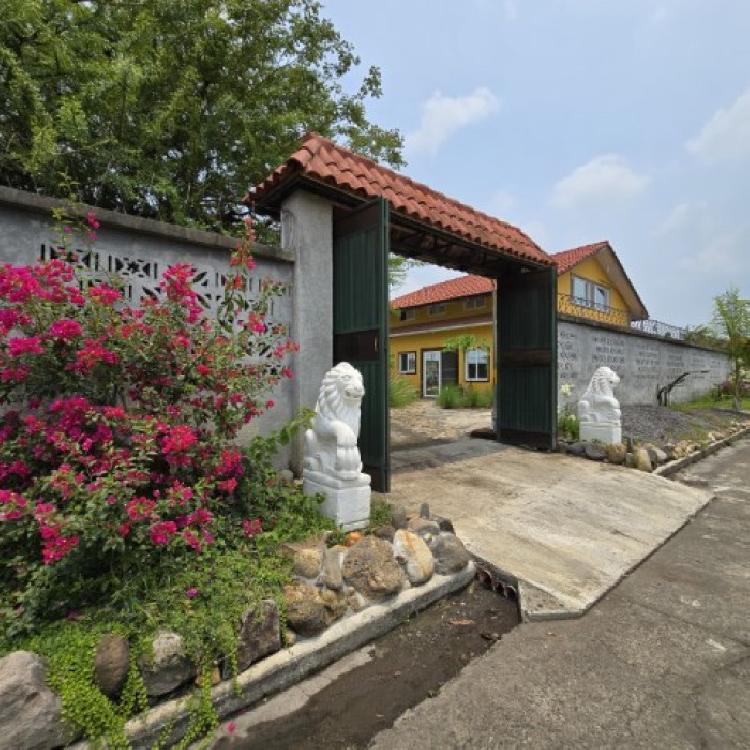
(443, 115)
(605, 178)
(726, 135)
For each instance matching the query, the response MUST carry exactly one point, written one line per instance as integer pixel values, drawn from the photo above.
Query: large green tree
(172, 108)
(732, 324)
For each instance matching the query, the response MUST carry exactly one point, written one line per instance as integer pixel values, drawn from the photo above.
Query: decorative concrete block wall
(140, 250)
(642, 361)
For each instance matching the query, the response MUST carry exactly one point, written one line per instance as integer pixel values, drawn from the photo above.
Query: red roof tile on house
(464, 286)
(566, 259)
(322, 160)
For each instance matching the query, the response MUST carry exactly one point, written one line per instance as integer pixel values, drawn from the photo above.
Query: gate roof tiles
(322, 160)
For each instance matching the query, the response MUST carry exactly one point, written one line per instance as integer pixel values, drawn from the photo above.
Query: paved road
(662, 662)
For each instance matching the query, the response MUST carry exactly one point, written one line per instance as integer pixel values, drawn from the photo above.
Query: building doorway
(431, 373)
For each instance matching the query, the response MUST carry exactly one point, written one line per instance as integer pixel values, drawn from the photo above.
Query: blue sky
(580, 120)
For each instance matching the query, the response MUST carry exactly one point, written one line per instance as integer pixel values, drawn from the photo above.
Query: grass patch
(709, 401)
(455, 397)
(401, 392)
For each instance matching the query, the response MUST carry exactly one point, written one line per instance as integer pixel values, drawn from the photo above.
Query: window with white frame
(590, 294)
(407, 363)
(437, 309)
(476, 303)
(477, 364)
(408, 313)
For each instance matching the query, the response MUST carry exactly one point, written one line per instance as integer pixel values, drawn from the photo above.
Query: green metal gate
(526, 397)
(360, 325)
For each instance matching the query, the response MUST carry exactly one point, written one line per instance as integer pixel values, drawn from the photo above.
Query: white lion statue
(598, 403)
(331, 442)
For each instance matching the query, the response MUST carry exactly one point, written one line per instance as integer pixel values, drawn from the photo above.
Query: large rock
(656, 454)
(168, 667)
(260, 635)
(449, 553)
(616, 453)
(30, 713)
(310, 610)
(641, 460)
(412, 552)
(331, 576)
(424, 527)
(398, 516)
(307, 557)
(111, 663)
(369, 567)
(595, 451)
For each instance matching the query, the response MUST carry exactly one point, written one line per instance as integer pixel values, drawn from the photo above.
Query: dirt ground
(424, 422)
(401, 669)
(659, 424)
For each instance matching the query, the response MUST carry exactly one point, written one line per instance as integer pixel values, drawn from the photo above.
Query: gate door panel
(526, 395)
(360, 325)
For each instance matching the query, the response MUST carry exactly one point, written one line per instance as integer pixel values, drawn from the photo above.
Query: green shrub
(567, 424)
(401, 392)
(450, 397)
(456, 397)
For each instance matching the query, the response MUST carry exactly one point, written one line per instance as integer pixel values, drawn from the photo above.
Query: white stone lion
(598, 403)
(331, 442)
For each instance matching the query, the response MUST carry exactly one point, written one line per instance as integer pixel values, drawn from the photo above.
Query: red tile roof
(566, 259)
(463, 286)
(322, 160)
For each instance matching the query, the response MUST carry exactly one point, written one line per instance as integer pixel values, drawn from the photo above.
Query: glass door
(430, 374)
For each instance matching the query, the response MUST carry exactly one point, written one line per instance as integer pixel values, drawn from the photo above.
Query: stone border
(290, 665)
(672, 467)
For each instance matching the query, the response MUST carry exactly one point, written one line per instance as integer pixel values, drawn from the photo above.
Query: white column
(307, 229)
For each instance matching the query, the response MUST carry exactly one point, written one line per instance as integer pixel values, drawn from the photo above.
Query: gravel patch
(659, 424)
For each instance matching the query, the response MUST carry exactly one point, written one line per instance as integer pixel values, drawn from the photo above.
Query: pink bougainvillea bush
(118, 427)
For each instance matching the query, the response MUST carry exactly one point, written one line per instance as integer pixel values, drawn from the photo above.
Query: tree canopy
(172, 108)
(731, 323)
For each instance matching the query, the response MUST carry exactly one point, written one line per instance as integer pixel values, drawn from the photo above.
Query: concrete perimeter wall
(139, 250)
(643, 362)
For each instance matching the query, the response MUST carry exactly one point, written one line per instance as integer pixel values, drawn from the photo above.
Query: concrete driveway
(566, 529)
(662, 662)
(424, 422)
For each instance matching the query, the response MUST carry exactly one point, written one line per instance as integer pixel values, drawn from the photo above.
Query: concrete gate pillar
(307, 229)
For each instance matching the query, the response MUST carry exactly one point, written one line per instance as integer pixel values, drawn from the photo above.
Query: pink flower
(20, 345)
(270, 404)
(92, 353)
(123, 529)
(65, 329)
(181, 438)
(14, 374)
(252, 526)
(231, 727)
(191, 593)
(91, 220)
(228, 485)
(192, 540)
(139, 508)
(104, 294)
(162, 532)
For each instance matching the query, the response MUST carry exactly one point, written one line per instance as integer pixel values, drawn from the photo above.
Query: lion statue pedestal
(599, 414)
(332, 465)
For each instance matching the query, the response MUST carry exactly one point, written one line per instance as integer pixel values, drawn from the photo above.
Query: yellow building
(592, 284)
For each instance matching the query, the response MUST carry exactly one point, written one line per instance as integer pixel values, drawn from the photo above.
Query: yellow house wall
(418, 342)
(590, 269)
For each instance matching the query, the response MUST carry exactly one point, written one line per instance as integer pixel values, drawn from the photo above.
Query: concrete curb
(680, 463)
(290, 665)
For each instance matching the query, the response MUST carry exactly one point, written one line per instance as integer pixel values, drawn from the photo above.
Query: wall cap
(27, 201)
